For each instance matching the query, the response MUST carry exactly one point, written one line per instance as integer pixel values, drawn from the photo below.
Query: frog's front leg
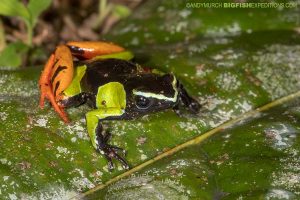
(76, 100)
(100, 141)
(187, 100)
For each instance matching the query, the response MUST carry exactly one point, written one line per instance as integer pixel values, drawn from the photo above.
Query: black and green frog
(112, 85)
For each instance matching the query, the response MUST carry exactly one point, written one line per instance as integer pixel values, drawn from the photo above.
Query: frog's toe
(111, 152)
(194, 107)
(115, 148)
(121, 160)
(110, 164)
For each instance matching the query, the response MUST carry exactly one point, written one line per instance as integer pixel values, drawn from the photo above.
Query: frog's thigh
(93, 117)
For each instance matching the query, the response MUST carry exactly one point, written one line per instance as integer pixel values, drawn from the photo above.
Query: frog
(104, 76)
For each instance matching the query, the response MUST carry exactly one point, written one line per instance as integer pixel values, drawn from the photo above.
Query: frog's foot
(192, 104)
(177, 110)
(111, 151)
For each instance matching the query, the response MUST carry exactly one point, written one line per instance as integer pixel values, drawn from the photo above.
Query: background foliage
(232, 60)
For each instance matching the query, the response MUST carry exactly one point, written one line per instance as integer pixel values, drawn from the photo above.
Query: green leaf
(10, 57)
(255, 159)
(36, 7)
(231, 60)
(14, 8)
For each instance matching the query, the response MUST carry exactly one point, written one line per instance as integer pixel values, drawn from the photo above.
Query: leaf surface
(231, 60)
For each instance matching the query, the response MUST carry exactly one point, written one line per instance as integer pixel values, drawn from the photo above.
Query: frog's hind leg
(96, 50)
(44, 83)
(56, 77)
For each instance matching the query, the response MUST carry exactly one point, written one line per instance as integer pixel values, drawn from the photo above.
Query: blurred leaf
(10, 57)
(121, 11)
(103, 10)
(14, 8)
(36, 7)
(29, 14)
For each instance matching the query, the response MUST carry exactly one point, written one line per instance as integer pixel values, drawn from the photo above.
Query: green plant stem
(2, 36)
(103, 10)
(29, 33)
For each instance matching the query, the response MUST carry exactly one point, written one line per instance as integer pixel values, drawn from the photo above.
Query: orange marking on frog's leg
(55, 78)
(44, 82)
(62, 72)
(58, 109)
(89, 49)
(49, 95)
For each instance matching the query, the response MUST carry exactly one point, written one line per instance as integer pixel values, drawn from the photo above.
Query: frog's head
(153, 92)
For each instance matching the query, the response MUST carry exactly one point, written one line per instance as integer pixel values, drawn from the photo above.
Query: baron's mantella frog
(113, 86)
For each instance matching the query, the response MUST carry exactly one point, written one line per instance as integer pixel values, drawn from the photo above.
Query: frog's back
(101, 72)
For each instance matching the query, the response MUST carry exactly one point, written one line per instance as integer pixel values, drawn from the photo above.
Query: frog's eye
(142, 102)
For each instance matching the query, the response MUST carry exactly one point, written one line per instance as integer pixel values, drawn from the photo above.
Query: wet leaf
(231, 60)
(255, 159)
